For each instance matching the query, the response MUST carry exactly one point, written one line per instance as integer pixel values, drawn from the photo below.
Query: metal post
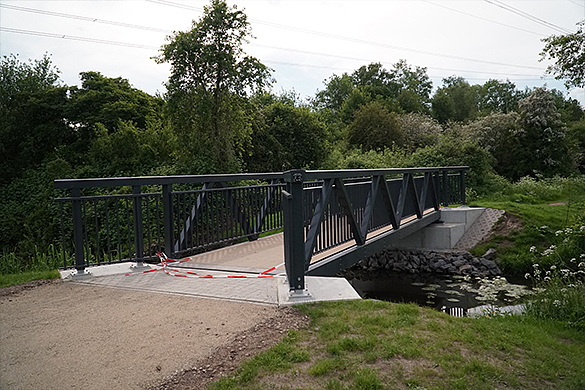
(138, 236)
(167, 199)
(78, 231)
(294, 240)
(445, 188)
(462, 186)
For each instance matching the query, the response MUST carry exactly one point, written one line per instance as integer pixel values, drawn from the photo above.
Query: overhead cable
(350, 39)
(76, 38)
(528, 16)
(83, 18)
(482, 18)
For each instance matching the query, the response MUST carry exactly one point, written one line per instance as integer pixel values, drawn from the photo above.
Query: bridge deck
(264, 253)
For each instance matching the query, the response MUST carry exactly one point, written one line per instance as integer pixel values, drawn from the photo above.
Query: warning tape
(165, 262)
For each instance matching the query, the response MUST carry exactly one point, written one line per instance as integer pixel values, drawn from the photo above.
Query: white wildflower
(557, 303)
(558, 233)
(527, 276)
(532, 249)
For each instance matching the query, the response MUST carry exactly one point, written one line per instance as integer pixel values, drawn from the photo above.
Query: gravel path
(66, 336)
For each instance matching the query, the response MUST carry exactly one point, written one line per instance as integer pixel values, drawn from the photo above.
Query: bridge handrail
(161, 180)
(339, 210)
(171, 208)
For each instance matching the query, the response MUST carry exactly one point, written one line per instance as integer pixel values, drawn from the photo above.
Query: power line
(76, 38)
(83, 18)
(576, 3)
(368, 60)
(355, 40)
(528, 16)
(169, 3)
(482, 18)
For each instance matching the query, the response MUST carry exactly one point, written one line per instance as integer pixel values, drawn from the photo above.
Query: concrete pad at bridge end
(318, 289)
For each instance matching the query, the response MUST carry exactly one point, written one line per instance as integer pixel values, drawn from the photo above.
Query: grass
(23, 277)
(543, 207)
(379, 345)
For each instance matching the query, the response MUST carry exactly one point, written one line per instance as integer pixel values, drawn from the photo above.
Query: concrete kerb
(272, 290)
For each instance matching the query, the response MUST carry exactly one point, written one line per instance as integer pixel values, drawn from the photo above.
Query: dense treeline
(218, 116)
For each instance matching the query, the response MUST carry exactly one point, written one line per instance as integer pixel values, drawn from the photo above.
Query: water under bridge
(315, 223)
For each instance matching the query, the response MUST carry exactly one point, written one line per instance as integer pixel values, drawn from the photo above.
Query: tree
(498, 96)
(32, 114)
(400, 89)
(210, 80)
(109, 101)
(337, 90)
(455, 101)
(496, 133)
(568, 52)
(375, 128)
(415, 87)
(542, 137)
(419, 130)
(290, 137)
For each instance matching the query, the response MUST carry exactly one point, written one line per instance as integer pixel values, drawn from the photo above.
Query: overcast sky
(305, 42)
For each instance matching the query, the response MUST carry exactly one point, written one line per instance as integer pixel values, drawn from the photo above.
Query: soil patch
(227, 358)
(505, 225)
(57, 335)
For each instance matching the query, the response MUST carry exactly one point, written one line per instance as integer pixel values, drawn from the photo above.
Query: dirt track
(67, 336)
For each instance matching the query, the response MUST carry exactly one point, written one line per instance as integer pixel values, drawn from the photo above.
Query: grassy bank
(23, 277)
(380, 345)
(540, 210)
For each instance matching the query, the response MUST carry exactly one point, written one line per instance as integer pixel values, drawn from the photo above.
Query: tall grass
(12, 262)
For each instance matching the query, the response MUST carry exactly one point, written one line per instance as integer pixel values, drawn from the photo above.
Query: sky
(305, 42)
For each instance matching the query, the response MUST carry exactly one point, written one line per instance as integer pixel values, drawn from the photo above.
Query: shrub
(561, 286)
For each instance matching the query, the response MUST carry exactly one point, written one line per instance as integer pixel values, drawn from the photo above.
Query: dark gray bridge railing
(121, 219)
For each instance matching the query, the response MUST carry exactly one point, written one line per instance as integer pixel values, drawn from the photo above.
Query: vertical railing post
(294, 240)
(445, 188)
(167, 199)
(78, 231)
(462, 186)
(138, 236)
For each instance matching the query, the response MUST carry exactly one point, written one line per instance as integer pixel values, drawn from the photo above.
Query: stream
(439, 292)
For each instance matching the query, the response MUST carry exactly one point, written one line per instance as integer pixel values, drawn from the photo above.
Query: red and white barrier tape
(164, 260)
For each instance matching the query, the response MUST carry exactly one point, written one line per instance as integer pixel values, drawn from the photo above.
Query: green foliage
(568, 52)
(32, 121)
(400, 89)
(561, 289)
(419, 131)
(542, 138)
(498, 97)
(455, 101)
(208, 86)
(576, 136)
(109, 102)
(290, 136)
(544, 207)
(371, 159)
(374, 128)
(130, 151)
(454, 150)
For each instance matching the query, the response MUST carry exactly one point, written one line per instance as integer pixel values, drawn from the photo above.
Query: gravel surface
(60, 335)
